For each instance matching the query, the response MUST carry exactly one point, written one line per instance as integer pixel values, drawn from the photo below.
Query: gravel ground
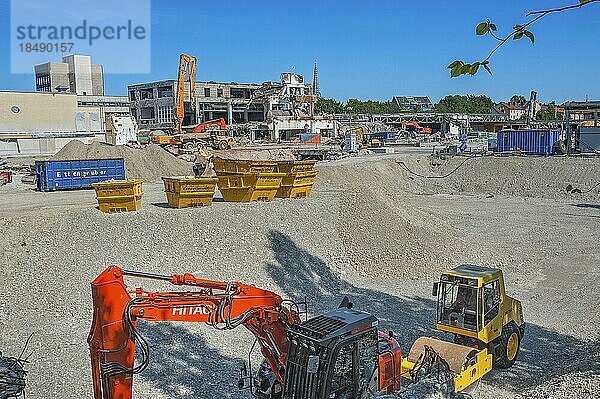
(367, 231)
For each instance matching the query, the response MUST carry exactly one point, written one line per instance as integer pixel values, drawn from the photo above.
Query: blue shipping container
(64, 175)
(534, 141)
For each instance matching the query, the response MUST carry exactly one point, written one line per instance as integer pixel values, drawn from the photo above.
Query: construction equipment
(187, 67)
(413, 126)
(211, 133)
(472, 304)
(201, 136)
(186, 71)
(364, 139)
(339, 354)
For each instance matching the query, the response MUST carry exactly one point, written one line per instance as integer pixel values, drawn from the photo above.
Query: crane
(339, 354)
(187, 68)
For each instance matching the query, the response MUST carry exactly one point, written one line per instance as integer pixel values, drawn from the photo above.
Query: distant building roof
(413, 103)
(581, 105)
(512, 106)
(412, 100)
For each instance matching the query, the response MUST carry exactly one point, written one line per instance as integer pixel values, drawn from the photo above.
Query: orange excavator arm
(187, 67)
(113, 337)
(220, 123)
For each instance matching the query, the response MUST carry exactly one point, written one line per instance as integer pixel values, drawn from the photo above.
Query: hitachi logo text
(191, 310)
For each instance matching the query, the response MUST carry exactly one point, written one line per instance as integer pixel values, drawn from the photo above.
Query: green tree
(371, 107)
(518, 100)
(470, 104)
(459, 67)
(329, 106)
(549, 114)
(355, 106)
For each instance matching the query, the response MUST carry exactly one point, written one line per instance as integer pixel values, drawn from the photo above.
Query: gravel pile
(567, 386)
(383, 232)
(149, 163)
(540, 177)
(426, 389)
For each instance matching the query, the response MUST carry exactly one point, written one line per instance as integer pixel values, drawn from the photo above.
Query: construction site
(229, 240)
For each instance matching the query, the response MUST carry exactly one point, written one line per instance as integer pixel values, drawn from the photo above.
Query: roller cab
(472, 305)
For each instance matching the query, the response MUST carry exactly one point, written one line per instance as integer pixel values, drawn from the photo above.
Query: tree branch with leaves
(459, 67)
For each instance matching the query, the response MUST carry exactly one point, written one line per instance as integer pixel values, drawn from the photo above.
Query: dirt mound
(383, 232)
(149, 163)
(544, 177)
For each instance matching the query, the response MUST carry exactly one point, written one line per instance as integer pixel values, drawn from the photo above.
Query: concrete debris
(276, 154)
(424, 389)
(368, 127)
(150, 163)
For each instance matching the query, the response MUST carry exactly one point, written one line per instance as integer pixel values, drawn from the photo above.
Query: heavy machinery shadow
(592, 206)
(183, 366)
(301, 275)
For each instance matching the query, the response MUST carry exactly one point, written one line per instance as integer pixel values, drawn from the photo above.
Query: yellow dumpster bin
(119, 195)
(243, 166)
(248, 187)
(295, 166)
(297, 184)
(183, 192)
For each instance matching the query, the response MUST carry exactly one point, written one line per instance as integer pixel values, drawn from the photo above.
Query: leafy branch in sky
(459, 67)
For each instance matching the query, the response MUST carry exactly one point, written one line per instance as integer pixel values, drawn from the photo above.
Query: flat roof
(39, 92)
(581, 105)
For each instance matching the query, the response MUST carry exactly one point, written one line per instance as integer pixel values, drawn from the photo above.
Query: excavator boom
(187, 67)
(113, 337)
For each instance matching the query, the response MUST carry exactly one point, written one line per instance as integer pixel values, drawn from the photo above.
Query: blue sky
(365, 50)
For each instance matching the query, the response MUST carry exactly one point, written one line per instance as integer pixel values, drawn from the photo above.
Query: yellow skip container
(295, 166)
(248, 187)
(119, 195)
(184, 192)
(297, 184)
(243, 166)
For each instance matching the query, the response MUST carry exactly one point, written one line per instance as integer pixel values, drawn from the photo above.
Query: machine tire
(560, 147)
(507, 352)
(189, 145)
(223, 145)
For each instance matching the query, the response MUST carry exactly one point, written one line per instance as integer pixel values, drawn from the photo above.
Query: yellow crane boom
(187, 68)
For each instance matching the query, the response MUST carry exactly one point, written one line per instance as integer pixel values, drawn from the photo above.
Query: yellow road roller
(486, 323)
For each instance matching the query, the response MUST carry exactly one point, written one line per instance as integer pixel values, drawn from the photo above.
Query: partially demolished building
(273, 110)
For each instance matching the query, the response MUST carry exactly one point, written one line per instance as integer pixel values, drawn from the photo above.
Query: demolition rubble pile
(367, 127)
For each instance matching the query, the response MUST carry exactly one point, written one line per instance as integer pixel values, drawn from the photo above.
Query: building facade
(284, 108)
(42, 123)
(513, 111)
(75, 74)
(153, 104)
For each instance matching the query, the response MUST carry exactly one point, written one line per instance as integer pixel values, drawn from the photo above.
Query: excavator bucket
(467, 364)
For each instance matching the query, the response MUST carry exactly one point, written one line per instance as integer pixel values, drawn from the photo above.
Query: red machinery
(220, 123)
(415, 127)
(340, 353)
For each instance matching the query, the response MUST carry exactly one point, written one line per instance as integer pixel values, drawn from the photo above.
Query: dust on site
(218, 240)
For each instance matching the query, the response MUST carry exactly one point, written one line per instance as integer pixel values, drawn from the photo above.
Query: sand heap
(149, 163)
